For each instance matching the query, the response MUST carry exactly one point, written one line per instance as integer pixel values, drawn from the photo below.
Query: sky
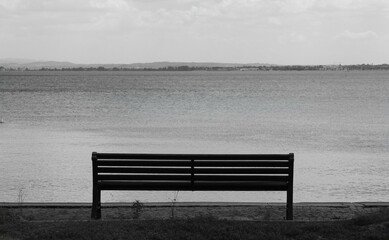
(230, 31)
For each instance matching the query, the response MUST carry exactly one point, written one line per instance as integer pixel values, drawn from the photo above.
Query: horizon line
(13, 60)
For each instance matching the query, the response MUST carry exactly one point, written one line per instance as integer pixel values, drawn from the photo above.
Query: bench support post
(289, 197)
(96, 199)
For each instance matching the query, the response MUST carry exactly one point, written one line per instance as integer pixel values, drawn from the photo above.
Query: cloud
(29, 6)
(292, 38)
(353, 4)
(209, 27)
(294, 6)
(357, 35)
(300, 6)
(9, 4)
(110, 4)
(274, 20)
(62, 17)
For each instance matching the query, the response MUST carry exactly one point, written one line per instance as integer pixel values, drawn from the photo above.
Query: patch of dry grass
(374, 227)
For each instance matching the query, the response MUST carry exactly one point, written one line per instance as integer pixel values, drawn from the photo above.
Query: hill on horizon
(38, 64)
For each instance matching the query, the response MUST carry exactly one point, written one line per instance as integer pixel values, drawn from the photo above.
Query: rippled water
(336, 123)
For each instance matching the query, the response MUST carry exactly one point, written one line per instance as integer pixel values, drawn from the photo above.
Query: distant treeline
(235, 68)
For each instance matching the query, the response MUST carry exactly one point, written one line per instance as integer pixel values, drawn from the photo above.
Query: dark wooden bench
(192, 172)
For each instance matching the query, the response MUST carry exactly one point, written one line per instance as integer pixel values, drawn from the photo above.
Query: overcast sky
(239, 31)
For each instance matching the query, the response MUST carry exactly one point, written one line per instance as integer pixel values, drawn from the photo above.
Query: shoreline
(188, 204)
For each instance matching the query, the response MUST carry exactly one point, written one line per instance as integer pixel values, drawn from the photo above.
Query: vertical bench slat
(96, 206)
(289, 198)
(192, 171)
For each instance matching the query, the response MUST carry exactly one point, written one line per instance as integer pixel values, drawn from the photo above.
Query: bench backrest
(232, 172)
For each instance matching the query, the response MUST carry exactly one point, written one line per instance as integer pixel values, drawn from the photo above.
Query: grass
(372, 227)
(137, 208)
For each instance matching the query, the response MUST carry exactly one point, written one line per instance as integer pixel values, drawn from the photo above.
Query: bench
(192, 172)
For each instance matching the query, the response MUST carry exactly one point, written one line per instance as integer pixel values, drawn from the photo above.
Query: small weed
(137, 208)
(20, 200)
(173, 206)
(267, 215)
(21, 195)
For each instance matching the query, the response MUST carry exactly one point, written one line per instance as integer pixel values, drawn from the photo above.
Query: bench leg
(289, 205)
(96, 205)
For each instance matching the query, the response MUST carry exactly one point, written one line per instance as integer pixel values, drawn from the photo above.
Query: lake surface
(336, 123)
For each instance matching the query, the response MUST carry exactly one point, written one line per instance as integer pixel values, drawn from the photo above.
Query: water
(336, 123)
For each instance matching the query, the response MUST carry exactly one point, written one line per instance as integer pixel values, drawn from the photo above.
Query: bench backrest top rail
(155, 156)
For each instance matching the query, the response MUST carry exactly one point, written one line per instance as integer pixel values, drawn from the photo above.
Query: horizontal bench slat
(143, 163)
(196, 170)
(145, 177)
(143, 170)
(197, 163)
(192, 156)
(267, 178)
(241, 171)
(198, 186)
(149, 185)
(240, 186)
(242, 163)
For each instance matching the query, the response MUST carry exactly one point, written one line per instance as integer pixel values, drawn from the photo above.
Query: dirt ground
(251, 212)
